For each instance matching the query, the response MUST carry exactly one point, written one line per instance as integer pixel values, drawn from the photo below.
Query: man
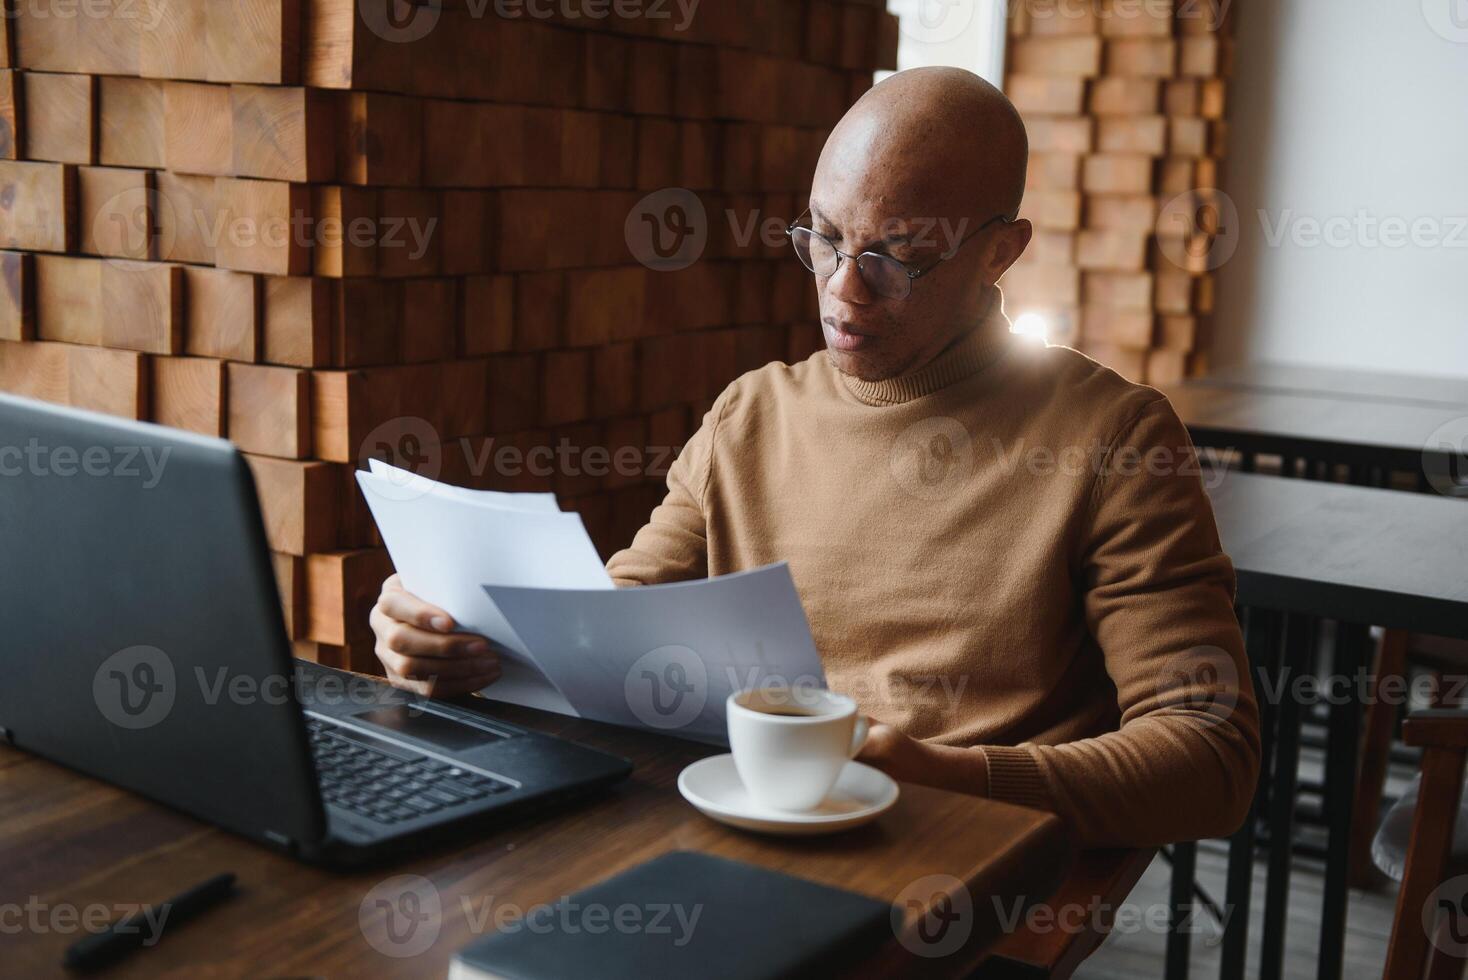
(1003, 549)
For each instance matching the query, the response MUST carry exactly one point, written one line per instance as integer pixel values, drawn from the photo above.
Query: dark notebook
(686, 915)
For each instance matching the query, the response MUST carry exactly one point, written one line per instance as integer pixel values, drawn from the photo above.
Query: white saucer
(861, 793)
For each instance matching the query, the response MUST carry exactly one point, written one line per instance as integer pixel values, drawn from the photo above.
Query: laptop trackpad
(429, 727)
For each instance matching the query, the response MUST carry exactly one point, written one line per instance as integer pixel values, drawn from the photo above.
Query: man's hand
(906, 759)
(421, 651)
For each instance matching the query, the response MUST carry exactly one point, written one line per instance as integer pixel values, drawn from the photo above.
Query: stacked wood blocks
(318, 230)
(1124, 102)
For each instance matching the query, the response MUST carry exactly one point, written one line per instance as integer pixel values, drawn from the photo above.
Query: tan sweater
(1008, 549)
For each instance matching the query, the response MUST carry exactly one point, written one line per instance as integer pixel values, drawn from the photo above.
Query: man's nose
(847, 285)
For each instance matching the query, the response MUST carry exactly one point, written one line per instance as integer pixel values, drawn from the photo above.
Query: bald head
(938, 142)
(919, 171)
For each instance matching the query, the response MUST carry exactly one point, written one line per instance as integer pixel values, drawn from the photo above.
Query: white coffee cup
(790, 745)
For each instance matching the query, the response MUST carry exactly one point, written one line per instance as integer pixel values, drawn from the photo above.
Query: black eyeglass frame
(913, 272)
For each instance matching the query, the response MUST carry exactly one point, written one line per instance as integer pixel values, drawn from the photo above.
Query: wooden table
(70, 842)
(1307, 550)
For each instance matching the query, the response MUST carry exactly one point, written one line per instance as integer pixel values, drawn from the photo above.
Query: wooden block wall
(1125, 108)
(261, 219)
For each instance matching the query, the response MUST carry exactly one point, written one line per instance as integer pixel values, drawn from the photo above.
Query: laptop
(145, 644)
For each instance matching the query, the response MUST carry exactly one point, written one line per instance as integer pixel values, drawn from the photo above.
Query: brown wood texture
(263, 230)
(1378, 728)
(131, 122)
(115, 212)
(426, 227)
(41, 206)
(141, 306)
(1430, 846)
(290, 580)
(1441, 728)
(60, 117)
(188, 218)
(282, 133)
(12, 112)
(17, 297)
(223, 310)
(296, 327)
(1121, 141)
(198, 135)
(270, 410)
(341, 588)
(72, 840)
(69, 299)
(253, 40)
(177, 46)
(189, 393)
(300, 502)
(94, 378)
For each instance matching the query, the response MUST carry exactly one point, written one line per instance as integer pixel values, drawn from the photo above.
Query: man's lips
(843, 337)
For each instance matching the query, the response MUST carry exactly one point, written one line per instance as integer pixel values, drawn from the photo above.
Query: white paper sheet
(665, 657)
(446, 546)
(409, 485)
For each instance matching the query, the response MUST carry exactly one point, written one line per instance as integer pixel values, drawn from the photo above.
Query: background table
(1374, 423)
(1352, 385)
(69, 840)
(1372, 436)
(1306, 550)
(1357, 554)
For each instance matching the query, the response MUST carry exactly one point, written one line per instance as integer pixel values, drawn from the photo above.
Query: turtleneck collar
(988, 340)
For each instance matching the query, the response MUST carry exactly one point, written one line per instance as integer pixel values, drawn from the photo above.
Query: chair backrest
(1443, 735)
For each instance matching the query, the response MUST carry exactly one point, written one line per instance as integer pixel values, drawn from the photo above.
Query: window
(961, 33)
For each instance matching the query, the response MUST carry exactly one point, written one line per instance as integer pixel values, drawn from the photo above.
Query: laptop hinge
(280, 839)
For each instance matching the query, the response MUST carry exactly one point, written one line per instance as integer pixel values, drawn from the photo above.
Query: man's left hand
(908, 760)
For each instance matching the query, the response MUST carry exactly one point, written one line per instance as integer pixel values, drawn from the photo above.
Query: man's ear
(1009, 243)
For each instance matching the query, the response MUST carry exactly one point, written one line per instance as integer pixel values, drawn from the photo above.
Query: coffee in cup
(790, 745)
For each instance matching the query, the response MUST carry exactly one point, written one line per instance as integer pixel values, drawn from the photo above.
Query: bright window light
(962, 33)
(1031, 325)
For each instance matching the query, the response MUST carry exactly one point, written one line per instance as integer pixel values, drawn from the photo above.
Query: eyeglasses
(883, 275)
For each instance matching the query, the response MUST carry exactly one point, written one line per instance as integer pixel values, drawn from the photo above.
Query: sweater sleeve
(1158, 599)
(673, 545)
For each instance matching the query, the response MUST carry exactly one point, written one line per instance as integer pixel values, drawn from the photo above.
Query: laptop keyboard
(389, 786)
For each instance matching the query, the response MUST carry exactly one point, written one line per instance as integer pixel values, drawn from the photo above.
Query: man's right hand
(421, 651)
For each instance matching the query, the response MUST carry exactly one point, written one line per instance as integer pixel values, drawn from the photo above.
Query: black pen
(131, 931)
